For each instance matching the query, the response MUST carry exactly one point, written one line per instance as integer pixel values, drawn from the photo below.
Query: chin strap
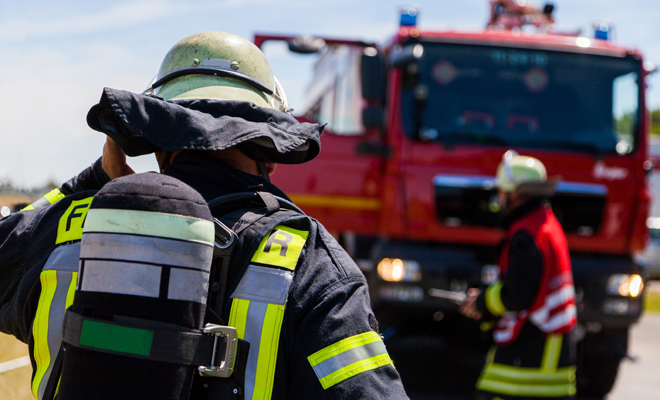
(263, 170)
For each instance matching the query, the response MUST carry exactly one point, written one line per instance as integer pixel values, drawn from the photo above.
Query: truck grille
(466, 200)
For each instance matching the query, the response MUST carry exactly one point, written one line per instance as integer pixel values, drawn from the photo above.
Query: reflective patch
(121, 278)
(70, 226)
(116, 338)
(146, 249)
(150, 224)
(281, 248)
(64, 258)
(349, 357)
(188, 285)
(264, 284)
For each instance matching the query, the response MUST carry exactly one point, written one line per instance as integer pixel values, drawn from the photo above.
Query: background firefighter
(534, 301)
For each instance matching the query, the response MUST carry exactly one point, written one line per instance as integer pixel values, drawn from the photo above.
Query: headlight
(625, 285)
(396, 270)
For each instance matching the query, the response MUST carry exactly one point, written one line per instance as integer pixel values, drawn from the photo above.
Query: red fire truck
(416, 127)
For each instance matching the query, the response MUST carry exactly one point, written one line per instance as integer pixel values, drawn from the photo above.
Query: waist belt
(156, 341)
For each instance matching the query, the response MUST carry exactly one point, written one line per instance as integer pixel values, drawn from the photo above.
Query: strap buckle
(224, 367)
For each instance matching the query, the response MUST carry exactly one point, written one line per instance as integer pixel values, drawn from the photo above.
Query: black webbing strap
(270, 201)
(139, 338)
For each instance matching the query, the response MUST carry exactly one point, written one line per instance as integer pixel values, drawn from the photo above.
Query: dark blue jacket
(328, 301)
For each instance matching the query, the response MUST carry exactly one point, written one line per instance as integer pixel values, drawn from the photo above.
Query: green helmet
(526, 175)
(218, 66)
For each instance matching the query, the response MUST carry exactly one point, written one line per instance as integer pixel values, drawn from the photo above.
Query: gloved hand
(469, 308)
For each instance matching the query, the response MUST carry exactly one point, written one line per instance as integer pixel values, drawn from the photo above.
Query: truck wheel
(599, 355)
(596, 377)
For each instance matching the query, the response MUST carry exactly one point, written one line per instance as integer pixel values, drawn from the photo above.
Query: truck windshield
(522, 98)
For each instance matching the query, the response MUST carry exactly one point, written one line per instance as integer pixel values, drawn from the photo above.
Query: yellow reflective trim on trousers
(551, 352)
(494, 299)
(528, 375)
(357, 368)
(238, 316)
(270, 339)
(343, 345)
(40, 327)
(527, 389)
(70, 226)
(281, 247)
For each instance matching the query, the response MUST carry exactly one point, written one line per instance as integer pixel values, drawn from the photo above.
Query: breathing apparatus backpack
(153, 272)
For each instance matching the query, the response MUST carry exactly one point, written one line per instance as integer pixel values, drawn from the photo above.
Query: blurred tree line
(624, 124)
(655, 122)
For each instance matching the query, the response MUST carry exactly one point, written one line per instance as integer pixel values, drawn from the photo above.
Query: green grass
(14, 384)
(652, 302)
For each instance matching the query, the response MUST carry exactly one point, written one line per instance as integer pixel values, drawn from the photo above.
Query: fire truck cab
(416, 127)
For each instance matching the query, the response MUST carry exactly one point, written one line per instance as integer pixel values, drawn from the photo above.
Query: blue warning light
(408, 16)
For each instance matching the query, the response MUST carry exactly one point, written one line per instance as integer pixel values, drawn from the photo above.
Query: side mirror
(400, 56)
(306, 44)
(373, 75)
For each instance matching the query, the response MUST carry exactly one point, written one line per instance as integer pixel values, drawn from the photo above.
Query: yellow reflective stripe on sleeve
(494, 299)
(342, 346)
(70, 226)
(54, 196)
(270, 339)
(49, 198)
(349, 357)
(281, 248)
(551, 352)
(40, 328)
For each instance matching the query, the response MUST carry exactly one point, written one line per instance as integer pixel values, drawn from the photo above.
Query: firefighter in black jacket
(534, 302)
(148, 308)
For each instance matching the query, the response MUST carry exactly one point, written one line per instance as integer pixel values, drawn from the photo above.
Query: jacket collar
(213, 178)
(521, 211)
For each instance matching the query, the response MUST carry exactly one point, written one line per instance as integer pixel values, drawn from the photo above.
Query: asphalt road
(637, 380)
(640, 380)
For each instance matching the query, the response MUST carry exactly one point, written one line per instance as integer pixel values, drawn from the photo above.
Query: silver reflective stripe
(253, 327)
(150, 223)
(121, 278)
(264, 284)
(349, 357)
(154, 250)
(64, 258)
(63, 262)
(188, 284)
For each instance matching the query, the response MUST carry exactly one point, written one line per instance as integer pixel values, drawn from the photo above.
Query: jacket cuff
(493, 299)
(92, 178)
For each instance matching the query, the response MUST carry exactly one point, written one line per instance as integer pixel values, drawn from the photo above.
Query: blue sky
(55, 57)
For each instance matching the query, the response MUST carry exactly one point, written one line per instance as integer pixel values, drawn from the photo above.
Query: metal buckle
(224, 367)
(224, 237)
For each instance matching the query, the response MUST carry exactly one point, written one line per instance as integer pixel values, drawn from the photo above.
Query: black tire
(597, 377)
(599, 356)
